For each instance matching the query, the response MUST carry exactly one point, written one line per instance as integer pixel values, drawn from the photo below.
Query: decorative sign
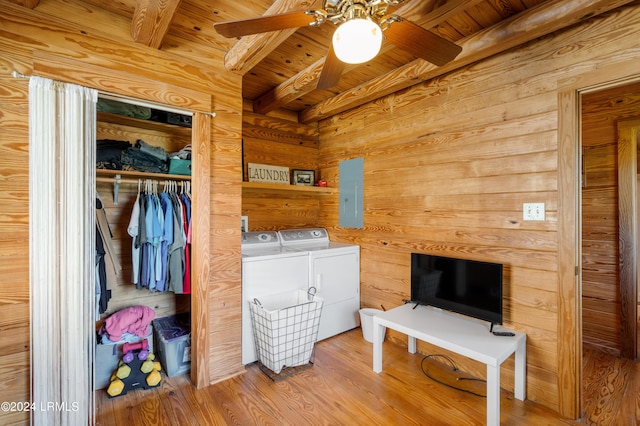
(268, 174)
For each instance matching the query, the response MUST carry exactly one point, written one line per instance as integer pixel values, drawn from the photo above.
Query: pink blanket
(134, 320)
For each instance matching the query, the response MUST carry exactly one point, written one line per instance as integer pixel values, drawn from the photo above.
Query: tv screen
(467, 287)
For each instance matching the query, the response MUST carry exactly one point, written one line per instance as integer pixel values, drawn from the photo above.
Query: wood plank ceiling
(281, 69)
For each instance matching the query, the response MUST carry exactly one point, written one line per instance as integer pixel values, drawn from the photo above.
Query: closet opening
(62, 177)
(143, 238)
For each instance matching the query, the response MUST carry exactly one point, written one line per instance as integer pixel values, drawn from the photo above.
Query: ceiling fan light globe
(357, 41)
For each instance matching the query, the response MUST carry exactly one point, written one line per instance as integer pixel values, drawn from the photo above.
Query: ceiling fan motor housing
(345, 10)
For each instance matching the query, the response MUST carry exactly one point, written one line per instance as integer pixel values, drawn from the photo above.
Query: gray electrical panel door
(352, 193)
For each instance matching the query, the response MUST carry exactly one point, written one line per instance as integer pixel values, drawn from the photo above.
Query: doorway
(609, 235)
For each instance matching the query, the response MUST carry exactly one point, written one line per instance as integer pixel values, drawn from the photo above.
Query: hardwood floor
(341, 388)
(611, 388)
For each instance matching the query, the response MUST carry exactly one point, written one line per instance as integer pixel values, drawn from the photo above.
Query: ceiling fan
(361, 26)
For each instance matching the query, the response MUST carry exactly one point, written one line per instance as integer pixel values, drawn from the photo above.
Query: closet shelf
(139, 175)
(139, 123)
(290, 188)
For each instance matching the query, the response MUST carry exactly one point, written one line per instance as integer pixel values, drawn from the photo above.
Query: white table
(463, 335)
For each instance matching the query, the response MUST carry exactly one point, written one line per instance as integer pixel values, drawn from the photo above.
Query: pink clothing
(134, 320)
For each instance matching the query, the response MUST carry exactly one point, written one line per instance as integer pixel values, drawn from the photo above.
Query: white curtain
(62, 250)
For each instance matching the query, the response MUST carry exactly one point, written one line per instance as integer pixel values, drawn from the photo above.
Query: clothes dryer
(267, 269)
(334, 270)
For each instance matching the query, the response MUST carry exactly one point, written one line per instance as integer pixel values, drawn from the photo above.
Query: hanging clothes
(134, 232)
(102, 293)
(176, 263)
(167, 239)
(159, 226)
(141, 238)
(108, 265)
(186, 203)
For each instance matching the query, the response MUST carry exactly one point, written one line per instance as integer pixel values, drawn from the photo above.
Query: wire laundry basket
(285, 328)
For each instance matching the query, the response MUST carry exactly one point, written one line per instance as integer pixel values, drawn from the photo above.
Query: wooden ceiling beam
(31, 4)
(279, 130)
(250, 50)
(536, 22)
(428, 14)
(298, 85)
(424, 13)
(151, 20)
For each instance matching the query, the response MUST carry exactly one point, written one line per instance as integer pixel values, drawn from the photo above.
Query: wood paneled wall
(600, 251)
(278, 142)
(14, 242)
(94, 48)
(448, 165)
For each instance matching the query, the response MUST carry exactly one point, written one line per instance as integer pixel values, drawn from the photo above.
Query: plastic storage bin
(173, 341)
(179, 167)
(285, 328)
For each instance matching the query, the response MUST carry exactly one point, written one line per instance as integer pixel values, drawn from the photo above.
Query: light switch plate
(533, 211)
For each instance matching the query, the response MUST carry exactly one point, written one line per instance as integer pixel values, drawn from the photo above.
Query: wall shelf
(289, 188)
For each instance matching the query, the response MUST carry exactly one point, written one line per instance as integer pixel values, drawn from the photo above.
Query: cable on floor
(454, 367)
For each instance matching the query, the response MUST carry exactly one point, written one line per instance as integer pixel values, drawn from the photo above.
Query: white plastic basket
(285, 328)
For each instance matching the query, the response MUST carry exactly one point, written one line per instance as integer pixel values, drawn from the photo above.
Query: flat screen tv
(466, 287)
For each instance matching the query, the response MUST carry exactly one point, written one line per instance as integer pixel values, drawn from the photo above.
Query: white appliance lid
(326, 245)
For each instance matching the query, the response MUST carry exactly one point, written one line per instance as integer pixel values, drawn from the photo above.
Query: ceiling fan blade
(263, 24)
(331, 71)
(421, 43)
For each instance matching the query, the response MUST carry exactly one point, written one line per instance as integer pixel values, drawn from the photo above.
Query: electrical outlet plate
(533, 211)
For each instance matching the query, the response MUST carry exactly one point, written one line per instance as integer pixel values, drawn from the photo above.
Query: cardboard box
(173, 342)
(107, 358)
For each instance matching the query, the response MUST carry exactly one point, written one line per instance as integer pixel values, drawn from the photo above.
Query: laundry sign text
(268, 174)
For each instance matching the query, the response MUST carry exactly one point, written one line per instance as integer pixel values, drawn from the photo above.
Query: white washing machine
(334, 269)
(267, 269)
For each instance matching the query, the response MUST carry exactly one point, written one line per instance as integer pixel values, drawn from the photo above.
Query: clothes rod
(117, 180)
